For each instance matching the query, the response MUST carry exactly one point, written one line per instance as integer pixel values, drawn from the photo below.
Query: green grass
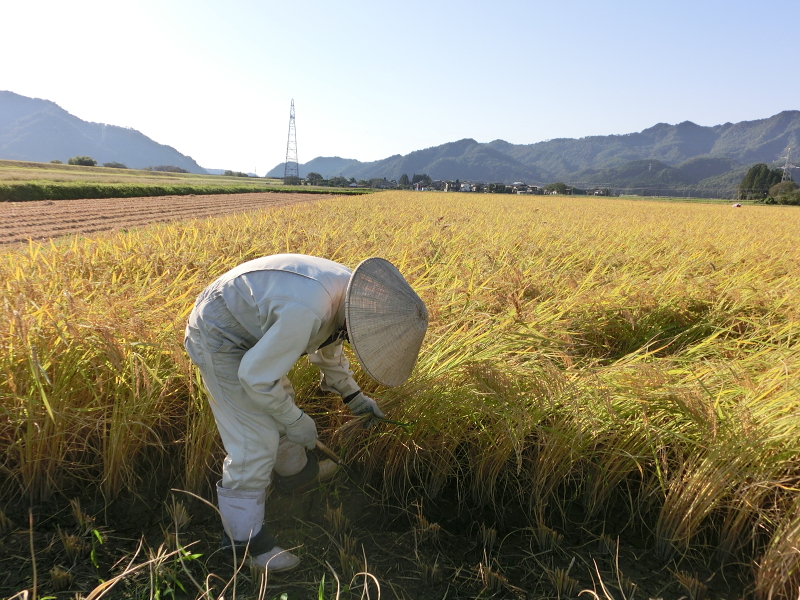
(25, 181)
(22, 172)
(681, 200)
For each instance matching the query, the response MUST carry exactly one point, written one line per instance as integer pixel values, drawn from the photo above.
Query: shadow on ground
(347, 538)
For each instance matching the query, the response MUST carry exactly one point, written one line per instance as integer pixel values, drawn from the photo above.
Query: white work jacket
(276, 309)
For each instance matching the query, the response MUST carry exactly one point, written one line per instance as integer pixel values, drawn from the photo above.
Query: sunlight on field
(30, 181)
(21, 171)
(584, 354)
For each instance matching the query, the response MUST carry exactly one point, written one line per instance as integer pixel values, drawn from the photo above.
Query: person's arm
(335, 368)
(274, 355)
(338, 378)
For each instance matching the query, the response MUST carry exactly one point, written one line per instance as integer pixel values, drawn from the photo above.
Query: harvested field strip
(37, 190)
(20, 222)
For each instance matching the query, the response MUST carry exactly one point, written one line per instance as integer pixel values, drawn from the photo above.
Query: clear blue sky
(376, 78)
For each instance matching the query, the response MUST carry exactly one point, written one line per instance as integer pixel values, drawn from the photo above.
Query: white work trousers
(253, 440)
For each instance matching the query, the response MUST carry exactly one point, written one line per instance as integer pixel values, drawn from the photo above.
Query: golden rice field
(596, 370)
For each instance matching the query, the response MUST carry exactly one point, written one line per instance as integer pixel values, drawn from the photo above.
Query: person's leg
(249, 435)
(251, 440)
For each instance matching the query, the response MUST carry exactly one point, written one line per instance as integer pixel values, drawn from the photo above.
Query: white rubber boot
(327, 469)
(298, 470)
(243, 520)
(276, 560)
(290, 459)
(293, 458)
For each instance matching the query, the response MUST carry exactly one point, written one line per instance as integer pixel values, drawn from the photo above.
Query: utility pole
(291, 166)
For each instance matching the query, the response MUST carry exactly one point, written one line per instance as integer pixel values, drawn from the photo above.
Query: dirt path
(22, 221)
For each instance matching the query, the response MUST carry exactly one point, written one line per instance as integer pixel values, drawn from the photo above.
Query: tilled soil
(41, 220)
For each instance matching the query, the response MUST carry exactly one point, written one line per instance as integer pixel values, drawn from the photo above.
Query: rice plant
(591, 354)
(563, 585)
(60, 579)
(6, 525)
(338, 523)
(425, 532)
(75, 546)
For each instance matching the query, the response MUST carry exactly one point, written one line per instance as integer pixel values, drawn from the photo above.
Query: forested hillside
(673, 159)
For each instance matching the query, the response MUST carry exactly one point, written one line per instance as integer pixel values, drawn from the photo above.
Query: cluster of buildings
(517, 187)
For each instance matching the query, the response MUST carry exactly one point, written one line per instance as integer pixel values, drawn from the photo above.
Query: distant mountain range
(663, 159)
(683, 158)
(40, 131)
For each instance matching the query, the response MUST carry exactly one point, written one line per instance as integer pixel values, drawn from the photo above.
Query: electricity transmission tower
(787, 167)
(291, 167)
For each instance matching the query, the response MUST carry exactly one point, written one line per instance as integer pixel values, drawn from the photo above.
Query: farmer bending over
(247, 330)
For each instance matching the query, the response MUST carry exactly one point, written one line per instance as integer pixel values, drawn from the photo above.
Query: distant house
(421, 186)
(523, 188)
(382, 184)
(531, 190)
(466, 187)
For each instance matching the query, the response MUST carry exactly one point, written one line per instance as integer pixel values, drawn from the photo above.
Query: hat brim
(386, 321)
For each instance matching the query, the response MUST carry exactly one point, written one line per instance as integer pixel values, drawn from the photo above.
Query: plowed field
(22, 221)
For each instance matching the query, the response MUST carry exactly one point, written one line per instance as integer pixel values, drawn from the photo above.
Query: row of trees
(84, 161)
(317, 179)
(785, 192)
(403, 183)
(757, 182)
(166, 169)
(378, 183)
(425, 181)
(766, 185)
(88, 161)
(567, 190)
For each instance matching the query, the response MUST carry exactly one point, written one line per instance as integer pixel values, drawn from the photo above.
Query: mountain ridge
(687, 157)
(719, 153)
(38, 130)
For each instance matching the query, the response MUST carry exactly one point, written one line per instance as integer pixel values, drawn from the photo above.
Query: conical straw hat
(386, 321)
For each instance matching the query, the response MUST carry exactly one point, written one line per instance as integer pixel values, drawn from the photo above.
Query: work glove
(361, 404)
(302, 432)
